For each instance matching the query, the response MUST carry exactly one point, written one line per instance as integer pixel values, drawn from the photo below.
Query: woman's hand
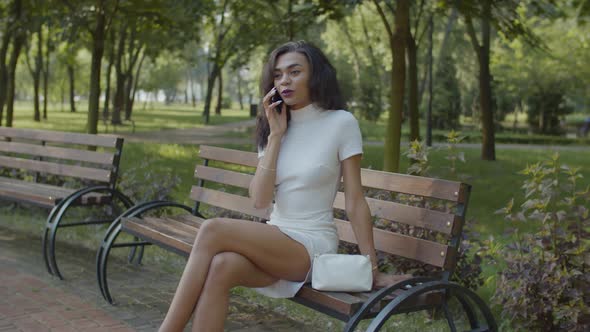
(381, 280)
(277, 121)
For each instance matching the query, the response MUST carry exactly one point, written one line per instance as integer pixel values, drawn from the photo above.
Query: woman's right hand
(276, 121)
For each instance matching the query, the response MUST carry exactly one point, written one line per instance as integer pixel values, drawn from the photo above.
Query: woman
(306, 142)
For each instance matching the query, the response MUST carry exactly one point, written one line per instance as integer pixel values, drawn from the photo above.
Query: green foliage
(545, 285)
(468, 271)
(143, 183)
(545, 110)
(446, 104)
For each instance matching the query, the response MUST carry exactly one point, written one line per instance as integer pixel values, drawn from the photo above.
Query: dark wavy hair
(323, 84)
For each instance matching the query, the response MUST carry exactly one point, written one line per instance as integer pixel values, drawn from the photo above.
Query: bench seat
(177, 234)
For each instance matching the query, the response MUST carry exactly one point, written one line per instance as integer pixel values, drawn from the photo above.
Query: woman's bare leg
(227, 270)
(264, 245)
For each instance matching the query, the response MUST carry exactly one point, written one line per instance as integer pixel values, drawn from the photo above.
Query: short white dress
(307, 179)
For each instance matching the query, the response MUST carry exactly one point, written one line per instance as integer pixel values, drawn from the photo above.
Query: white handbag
(342, 273)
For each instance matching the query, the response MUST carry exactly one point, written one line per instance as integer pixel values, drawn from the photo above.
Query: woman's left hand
(381, 279)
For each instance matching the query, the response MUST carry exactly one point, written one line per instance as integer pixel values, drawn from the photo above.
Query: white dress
(307, 179)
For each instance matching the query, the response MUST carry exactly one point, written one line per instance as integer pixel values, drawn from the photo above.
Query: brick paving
(32, 300)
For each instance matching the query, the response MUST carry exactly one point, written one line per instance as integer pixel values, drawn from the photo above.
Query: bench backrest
(62, 154)
(426, 191)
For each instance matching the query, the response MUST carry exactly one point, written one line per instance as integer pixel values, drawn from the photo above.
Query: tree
(397, 41)
(36, 68)
(19, 15)
(505, 17)
(447, 97)
(8, 21)
(95, 16)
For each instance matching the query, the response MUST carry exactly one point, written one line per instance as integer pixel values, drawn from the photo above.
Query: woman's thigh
(264, 245)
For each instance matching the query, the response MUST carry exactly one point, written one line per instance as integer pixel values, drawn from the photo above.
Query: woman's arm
(357, 208)
(262, 186)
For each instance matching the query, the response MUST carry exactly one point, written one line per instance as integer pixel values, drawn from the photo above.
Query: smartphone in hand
(276, 97)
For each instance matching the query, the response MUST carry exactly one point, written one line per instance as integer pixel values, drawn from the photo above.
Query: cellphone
(276, 97)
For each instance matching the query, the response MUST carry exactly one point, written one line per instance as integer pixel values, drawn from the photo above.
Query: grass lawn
(154, 117)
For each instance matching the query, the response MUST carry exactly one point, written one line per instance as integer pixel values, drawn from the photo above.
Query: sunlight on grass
(154, 117)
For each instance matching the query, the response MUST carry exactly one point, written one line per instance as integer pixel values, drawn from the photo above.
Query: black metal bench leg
(457, 291)
(57, 214)
(102, 260)
(377, 297)
(449, 317)
(133, 252)
(469, 312)
(44, 240)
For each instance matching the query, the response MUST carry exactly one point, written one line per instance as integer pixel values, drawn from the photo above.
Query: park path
(33, 301)
(219, 135)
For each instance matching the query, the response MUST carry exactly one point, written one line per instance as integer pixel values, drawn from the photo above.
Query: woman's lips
(287, 93)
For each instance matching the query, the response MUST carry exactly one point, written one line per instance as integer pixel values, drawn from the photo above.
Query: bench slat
(154, 230)
(402, 183)
(55, 152)
(402, 245)
(228, 155)
(43, 194)
(108, 141)
(413, 185)
(227, 201)
(57, 169)
(406, 214)
(223, 176)
(341, 302)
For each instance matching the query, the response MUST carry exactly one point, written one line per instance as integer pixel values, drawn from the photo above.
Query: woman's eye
(276, 76)
(295, 72)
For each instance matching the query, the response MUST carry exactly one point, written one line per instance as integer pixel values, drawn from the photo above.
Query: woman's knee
(209, 233)
(223, 269)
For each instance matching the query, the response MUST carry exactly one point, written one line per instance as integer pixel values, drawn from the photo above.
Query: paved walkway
(205, 135)
(32, 300)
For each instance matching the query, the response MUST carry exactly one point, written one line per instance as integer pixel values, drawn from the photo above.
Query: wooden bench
(232, 171)
(56, 171)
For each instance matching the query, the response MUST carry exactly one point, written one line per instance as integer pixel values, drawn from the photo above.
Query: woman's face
(291, 78)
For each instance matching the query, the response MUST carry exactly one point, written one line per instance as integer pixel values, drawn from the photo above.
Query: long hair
(323, 84)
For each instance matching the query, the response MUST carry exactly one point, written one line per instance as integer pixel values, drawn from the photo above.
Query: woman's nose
(285, 79)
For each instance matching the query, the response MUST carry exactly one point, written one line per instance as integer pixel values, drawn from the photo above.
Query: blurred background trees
(488, 66)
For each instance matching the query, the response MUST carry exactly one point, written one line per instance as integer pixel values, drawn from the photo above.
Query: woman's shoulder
(343, 116)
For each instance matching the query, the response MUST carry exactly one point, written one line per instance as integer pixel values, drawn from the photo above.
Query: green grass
(154, 117)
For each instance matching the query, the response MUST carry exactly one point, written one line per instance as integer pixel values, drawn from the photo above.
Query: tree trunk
(397, 42)
(119, 98)
(16, 48)
(37, 110)
(107, 91)
(134, 89)
(239, 77)
(48, 47)
(430, 96)
(219, 93)
(209, 94)
(3, 70)
(97, 53)
(37, 75)
(413, 111)
(127, 97)
(485, 88)
(72, 88)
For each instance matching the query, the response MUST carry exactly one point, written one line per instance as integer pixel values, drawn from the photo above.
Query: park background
(493, 93)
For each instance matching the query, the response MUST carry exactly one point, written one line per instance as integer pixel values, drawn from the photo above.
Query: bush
(545, 285)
